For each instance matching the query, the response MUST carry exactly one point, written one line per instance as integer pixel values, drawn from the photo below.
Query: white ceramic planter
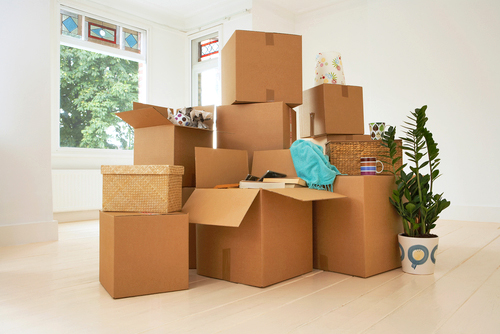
(418, 255)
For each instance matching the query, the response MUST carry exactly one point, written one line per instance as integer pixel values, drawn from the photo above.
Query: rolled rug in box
(329, 69)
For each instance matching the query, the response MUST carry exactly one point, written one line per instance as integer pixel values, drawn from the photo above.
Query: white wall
(409, 53)
(271, 18)
(25, 172)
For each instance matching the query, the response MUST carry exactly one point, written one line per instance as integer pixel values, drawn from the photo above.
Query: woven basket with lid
(142, 188)
(345, 155)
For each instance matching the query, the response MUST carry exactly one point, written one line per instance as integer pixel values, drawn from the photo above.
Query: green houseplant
(414, 198)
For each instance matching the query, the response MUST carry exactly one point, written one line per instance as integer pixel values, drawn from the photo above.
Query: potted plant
(414, 198)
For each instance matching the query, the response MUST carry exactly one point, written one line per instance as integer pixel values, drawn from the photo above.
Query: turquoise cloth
(312, 165)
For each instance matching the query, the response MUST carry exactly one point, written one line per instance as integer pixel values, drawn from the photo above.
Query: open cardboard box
(157, 141)
(256, 237)
(256, 127)
(262, 67)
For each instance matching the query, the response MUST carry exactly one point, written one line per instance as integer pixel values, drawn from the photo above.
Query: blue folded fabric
(312, 165)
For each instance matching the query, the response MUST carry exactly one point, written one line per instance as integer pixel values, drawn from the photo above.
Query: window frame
(195, 69)
(79, 157)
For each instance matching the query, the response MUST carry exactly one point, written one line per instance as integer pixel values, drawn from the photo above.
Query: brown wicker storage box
(142, 188)
(345, 155)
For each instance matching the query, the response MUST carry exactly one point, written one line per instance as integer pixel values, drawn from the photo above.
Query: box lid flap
(221, 207)
(219, 166)
(276, 160)
(141, 118)
(306, 194)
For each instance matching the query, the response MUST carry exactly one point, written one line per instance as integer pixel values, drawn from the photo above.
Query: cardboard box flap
(276, 160)
(306, 194)
(141, 118)
(221, 207)
(219, 166)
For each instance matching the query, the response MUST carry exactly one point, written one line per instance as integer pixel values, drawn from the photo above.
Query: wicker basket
(345, 155)
(142, 188)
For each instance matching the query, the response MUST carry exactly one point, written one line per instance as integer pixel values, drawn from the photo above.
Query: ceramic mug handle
(382, 167)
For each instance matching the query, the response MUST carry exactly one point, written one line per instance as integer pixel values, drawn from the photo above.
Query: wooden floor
(53, 287)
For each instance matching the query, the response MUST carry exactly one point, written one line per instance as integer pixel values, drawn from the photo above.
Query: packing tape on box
(269, 39)
(226, 264)
(329, 69)
(270, 95)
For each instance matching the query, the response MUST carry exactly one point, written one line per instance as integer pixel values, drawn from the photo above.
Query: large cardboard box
(159, 142)
(262, 67)
(357, 235)
(256, 127)
(142, 254)
(251, 236)
(186, 192)
(332, 109)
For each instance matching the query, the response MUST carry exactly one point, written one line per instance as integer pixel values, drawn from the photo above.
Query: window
(101, 73)
(205, 70)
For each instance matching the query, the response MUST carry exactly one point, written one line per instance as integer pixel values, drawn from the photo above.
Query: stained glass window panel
(132, 40)
(101, 32)
(209, 49)
(71, 24)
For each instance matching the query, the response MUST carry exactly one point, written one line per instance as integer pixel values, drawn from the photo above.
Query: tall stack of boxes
(356, 235)
(252, 236)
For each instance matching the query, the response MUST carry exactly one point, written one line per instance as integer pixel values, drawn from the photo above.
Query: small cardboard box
(332, 109)
(262, 67)
(357, 235)
(141, 254)
(159, 142)
(256, 127)
(186, 192)
(256, 237)
(142, 188)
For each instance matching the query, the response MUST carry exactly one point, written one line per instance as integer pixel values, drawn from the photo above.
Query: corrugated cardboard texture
(332, 109)
(256, 127)
(159, 142)
(357, 235)
(262, 67)
(272, 244)
(276, 160)
(143, 254)
(220, 166)
(186, 192)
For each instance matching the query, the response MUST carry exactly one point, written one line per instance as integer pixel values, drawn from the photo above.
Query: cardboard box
(332, 109)
(262, 67)
(256, 127)
(256, 237)
(186, 192)
(142, 254)
(142, 188)
(159, 142)
(357, 235)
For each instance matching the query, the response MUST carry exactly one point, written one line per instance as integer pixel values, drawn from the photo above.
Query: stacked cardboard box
(261, 79)
(356, 235)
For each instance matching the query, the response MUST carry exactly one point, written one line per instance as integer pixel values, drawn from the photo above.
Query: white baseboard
(20, 234)
(74, 216)
(485, 214)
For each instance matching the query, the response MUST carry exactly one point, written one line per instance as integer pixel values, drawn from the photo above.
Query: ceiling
(187, 15)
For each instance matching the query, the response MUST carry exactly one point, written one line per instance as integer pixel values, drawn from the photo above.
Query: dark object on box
(271, 174)
(345, 155)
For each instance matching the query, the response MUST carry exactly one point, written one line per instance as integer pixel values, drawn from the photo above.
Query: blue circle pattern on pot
(433, 254)
(415, 262)
(402, 252)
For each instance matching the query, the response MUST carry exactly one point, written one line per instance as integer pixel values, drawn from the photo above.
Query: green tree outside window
(93, 87)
